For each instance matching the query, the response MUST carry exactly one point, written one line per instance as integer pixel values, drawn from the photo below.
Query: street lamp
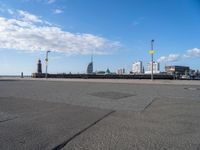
(152, 52)
(46, 62)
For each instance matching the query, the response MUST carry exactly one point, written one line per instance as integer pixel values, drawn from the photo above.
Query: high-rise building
(137, 67)
(121, 71)
(90, 66)
(39, 67)
(156, 67)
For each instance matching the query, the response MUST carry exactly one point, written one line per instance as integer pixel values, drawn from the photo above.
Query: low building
(177, 70)
(100, 72)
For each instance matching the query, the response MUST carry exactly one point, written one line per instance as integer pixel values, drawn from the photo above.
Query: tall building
(90, 66)
(156, 67)
(39, 67)
(121, 71)
(137, 67)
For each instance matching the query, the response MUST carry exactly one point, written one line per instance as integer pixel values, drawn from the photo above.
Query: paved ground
(99, 114)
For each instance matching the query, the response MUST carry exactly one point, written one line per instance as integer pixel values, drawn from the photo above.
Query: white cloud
(169, 58)
(57, 11)
(27, 17)
(29, 33)
(191, 53)
(195, 52)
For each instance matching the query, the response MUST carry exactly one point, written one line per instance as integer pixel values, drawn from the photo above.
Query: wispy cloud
(137, 21)
(191, 53)
(2, 7)
(41, 1)
(51, 1)
(27, 17)
(55, 57)
(169, 58)
(195, 52)
(10, 11)
(57, 11)
(29, 32)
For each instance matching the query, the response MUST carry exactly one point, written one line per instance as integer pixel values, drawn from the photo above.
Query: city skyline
(118, 33)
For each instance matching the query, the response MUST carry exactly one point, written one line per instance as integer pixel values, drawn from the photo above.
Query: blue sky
(118, 32)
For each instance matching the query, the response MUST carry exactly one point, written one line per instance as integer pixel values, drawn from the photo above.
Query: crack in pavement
(60, 146)
(1, 121)
(149, 104)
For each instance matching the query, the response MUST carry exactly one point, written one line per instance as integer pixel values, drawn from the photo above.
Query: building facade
(177, 70)
(156, 68)
(137, 67)
(90, 68)
(121, 71)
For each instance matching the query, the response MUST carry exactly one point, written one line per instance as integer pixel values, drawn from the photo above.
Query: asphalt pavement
(99, 114)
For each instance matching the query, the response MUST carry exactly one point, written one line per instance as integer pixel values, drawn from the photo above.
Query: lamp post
(46, 63)
(152, 52)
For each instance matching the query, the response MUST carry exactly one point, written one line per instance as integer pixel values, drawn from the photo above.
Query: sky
(117, 32)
